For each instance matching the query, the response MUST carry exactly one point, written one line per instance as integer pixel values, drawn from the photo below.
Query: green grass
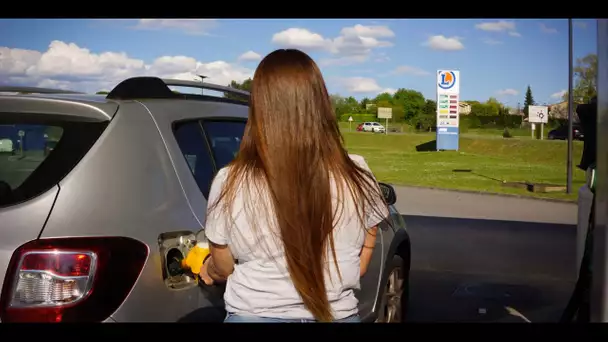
(491, 159)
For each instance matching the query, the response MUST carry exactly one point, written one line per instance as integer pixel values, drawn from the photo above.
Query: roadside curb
(555, 200)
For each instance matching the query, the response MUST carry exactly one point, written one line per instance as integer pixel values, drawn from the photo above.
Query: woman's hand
(204, 274)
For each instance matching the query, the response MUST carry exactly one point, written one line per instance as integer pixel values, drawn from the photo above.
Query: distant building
(516, 111)
(558, 110)
(369, 106)
(465, 108)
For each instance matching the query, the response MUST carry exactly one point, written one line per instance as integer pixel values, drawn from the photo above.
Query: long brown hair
(292, 146)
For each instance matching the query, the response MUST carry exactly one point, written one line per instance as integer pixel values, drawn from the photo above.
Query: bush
(494, 121)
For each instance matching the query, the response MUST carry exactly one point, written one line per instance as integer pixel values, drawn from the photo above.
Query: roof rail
(35, 90)
(201, 85)
(155, 88)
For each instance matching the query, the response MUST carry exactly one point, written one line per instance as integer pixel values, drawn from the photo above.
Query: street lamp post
(202, 81)
(570, 109)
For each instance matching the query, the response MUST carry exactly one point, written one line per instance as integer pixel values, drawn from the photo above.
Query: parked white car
(373, 127)
(6, 146)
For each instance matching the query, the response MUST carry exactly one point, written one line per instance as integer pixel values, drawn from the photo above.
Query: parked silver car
(94, 229)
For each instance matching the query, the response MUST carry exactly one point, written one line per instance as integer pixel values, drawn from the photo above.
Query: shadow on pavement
(471, 270)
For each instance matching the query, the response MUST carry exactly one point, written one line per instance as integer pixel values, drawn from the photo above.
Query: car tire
(393, 305)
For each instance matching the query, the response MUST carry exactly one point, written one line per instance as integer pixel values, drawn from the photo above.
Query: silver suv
(94, 228)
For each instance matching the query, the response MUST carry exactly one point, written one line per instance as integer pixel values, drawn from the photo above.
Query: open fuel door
(174, 247)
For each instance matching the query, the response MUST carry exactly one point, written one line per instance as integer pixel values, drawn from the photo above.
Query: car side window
(191, 141)
(224, 137)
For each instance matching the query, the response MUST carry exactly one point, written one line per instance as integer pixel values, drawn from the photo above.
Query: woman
(292, 220)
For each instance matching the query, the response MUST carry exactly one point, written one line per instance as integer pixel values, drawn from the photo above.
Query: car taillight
(71, 279)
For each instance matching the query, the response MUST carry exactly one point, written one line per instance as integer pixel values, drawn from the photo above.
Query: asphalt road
(466, 268)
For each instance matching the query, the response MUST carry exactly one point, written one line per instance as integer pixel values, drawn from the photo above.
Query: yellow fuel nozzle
(194, 260)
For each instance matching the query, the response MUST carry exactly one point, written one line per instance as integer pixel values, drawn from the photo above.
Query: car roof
(93, 107)
(104, 107)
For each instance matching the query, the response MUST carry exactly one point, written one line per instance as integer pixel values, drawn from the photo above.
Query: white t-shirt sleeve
(216, 225)
(377, 211)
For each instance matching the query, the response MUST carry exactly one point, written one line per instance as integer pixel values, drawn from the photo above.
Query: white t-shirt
(260, 284)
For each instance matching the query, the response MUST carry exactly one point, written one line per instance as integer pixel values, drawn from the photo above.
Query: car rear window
(36, 154)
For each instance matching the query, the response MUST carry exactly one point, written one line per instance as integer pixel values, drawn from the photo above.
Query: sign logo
(447, 79)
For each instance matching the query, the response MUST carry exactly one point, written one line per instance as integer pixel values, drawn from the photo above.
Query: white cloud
(559, 94)
(188, 26)
(499, 26)
(17, 61)
(579, 24)
(389, 90)
(354, 44)
(360, 85)
(491, 41)
(382, 57)
(507, 92)
(546, 29)
(410, 70)
(69, 66)
(368, 31)
(300, 38)
(441, 42)
(250, 56)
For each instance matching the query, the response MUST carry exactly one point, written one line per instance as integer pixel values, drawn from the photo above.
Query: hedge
(359, 117)
(467, 121)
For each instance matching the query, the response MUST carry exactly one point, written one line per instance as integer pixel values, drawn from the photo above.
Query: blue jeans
(234, 318)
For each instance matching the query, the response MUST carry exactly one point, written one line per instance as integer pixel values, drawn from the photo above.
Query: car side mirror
(390, 196)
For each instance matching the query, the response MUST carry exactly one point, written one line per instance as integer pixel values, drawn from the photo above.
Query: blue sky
(361, 58)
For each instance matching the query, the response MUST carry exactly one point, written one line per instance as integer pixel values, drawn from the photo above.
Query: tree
(364, 102)
(528, 101)
(493, 106)
(411, 101)
(102, 92)
(585, 79)
(481, 109)
(344, 105)
(246, 85)
(387, 97)
(430, 108)
(425, 120)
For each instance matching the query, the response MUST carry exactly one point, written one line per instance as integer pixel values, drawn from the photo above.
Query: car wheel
(392, 308)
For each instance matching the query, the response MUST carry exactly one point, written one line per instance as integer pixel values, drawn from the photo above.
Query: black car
(561, 133)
